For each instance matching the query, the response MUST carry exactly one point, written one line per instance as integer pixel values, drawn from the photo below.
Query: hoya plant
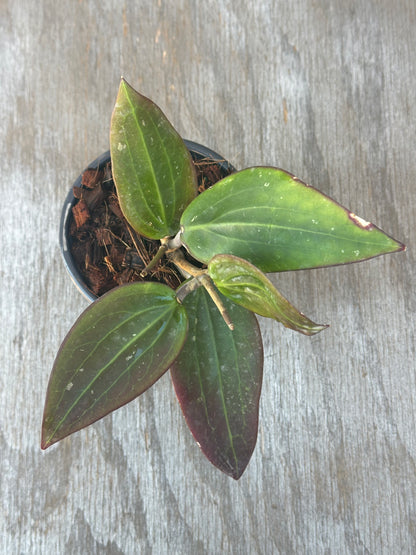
(223, 242)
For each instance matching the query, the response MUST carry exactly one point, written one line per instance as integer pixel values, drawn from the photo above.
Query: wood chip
(103, 236)
(91, 177)
(115, 207)
(81, 213)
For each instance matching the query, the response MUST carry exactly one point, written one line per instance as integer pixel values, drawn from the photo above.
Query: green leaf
(117, 348)
(247, 286)
(152, 168)
(276, 222)
(217, 378)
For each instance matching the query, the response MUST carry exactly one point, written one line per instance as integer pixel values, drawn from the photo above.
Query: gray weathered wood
(323, 89)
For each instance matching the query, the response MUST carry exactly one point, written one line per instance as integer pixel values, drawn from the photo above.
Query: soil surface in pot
(105, 248)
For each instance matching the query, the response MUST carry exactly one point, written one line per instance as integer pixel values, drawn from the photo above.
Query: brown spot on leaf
(363, 224)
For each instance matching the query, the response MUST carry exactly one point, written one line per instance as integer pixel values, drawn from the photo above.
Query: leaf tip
(48, 436)
(318, 328)
(45, 442)
(398, 246)
(232, 468)
(368, 226)
(125, 87)
(309, 330)
(236, 475)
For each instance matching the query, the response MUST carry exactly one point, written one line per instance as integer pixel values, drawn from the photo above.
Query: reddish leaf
(217, 378)
(117, 349)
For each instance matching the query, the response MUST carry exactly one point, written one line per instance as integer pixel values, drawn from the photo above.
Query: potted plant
(100, 249)
(222, 242)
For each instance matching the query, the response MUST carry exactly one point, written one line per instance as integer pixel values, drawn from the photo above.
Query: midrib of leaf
(173, 181)
(216, 231)
(230, 435)
(256, 207)
(201, 387)
(103, 369)
(238, 373)
(143, 196)
(148, 157)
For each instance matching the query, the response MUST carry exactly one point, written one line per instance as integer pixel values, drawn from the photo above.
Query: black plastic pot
(197, 151)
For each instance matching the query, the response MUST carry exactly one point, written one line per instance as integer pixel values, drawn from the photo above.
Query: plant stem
(160, 253)
(178, 258)
(209, 286)
(200, 278)
(183, 290)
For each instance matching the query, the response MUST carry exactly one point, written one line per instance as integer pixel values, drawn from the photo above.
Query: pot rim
(196, 149)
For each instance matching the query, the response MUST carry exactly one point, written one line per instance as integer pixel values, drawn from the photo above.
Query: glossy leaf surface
(276, 222)
(217, 378)
(247, 286)
(117, 349)
(152, 168)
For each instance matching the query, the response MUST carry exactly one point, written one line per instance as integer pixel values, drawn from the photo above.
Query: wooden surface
(323, 89)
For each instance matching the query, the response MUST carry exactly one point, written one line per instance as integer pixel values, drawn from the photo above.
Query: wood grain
(324, 89)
